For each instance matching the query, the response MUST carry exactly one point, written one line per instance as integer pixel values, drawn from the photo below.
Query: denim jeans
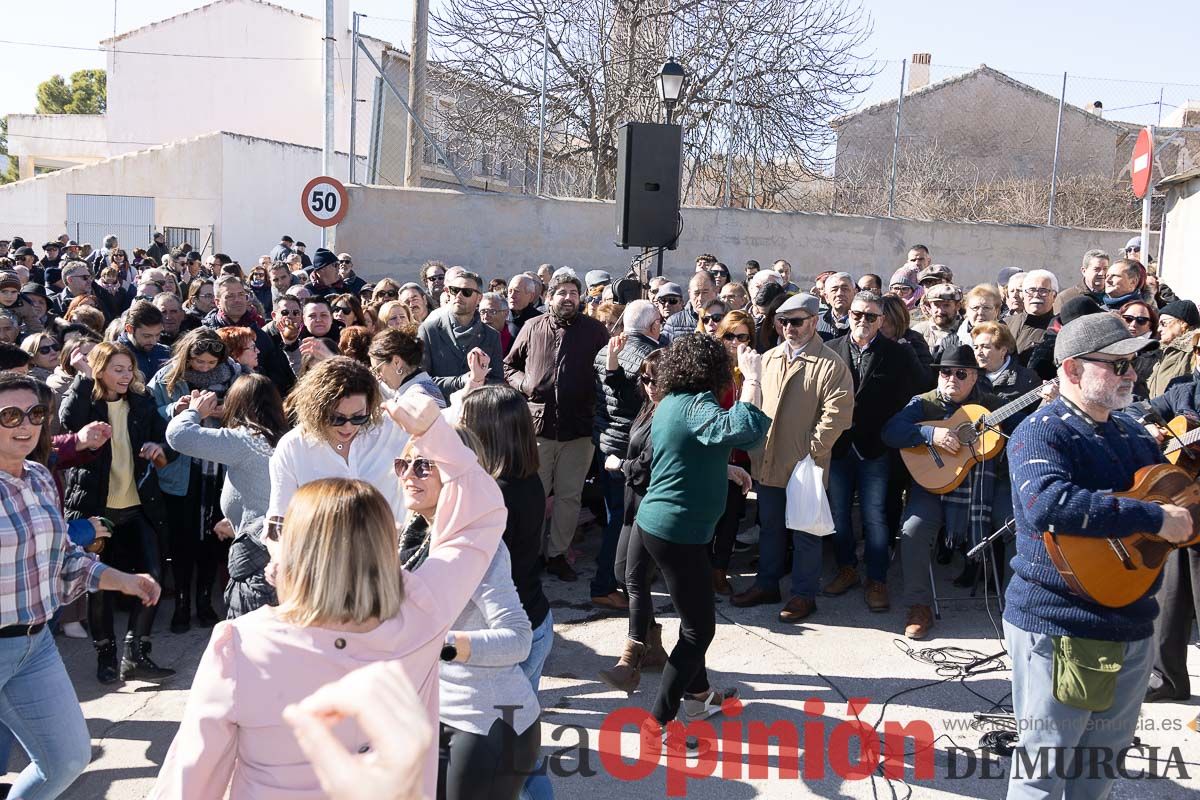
(613, 486)
(38, 704)
(537, 786)
(772, 547)
(870, 477)
(1047, 724)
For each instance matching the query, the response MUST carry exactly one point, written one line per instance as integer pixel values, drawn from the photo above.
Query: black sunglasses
(358, 420)
(719, 273)
(787, 322)
(1130, 318)
(669, 300)
(646, 380)
(465, 291)
(435, 278)
(345, 261)
(46, 349)
(1119, 367)
(714, 318)
(736, 337)
(212, 348)
(385, 293)
(961, 374)
(295, 312)
(11, 416)
(867, 315)
(421, 467)
(343, 310)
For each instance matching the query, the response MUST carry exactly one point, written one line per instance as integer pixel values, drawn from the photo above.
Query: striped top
(40, 568)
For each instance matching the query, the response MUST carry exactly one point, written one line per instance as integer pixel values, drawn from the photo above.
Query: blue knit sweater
(1064, 467)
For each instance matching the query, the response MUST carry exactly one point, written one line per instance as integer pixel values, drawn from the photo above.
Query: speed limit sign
(324, 201)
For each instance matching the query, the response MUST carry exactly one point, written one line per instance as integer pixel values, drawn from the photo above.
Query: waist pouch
(1085, 672)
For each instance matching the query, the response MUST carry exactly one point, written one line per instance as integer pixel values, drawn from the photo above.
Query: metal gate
(91, 217)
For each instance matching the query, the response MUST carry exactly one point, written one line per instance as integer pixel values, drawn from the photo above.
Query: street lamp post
(670, 80)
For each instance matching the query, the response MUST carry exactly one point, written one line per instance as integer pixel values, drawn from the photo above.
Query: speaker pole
(660, 260)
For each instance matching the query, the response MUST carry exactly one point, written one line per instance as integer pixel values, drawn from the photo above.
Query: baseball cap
(1097, 333)
(668, 289)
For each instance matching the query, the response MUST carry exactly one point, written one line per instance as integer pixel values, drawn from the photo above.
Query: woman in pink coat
(334, 616)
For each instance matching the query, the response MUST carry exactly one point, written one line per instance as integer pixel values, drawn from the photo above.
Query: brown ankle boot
(656, 655)
(627, 674)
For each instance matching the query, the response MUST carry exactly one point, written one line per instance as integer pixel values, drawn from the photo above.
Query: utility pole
(327, 141)
(417, 65)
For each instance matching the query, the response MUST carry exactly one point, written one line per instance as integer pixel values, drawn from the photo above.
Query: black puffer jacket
(85, 488)
(622, 400)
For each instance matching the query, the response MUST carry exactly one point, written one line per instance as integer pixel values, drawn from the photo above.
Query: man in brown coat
(809, 394)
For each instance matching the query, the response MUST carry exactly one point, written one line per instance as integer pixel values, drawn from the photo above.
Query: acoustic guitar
(1116, 571)
(1179, 443)
(977, 429)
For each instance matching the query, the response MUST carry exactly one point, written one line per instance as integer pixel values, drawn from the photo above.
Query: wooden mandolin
(1116, 571)
(979, 432)
(1180, 445)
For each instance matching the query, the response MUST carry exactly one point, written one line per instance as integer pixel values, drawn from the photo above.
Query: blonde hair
(99, 359)
(339, 560)
(386, 309)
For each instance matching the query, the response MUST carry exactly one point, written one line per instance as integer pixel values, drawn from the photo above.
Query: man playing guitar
(1079, 668)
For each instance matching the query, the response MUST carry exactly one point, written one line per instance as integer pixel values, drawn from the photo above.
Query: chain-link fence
(917, 139)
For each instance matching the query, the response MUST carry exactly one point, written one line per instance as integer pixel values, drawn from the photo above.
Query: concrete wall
(391, 231)
(1181, 249)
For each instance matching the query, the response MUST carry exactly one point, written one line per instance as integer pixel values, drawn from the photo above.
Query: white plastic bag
(807, 507)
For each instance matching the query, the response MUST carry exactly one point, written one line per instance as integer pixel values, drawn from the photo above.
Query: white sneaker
(73, 630)
(696, 710)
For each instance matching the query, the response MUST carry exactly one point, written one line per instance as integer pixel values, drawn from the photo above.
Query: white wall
(391, 231)
(1181, 248)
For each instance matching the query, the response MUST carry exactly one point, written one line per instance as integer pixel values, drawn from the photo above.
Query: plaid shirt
(40, 568)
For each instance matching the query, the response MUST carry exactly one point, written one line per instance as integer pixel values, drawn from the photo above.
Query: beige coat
(1176, 362)
(810, 402)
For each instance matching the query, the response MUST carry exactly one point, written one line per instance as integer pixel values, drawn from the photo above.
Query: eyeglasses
(212, 348)
(345, 261)
(1043, 292)
(421, 467)
(47, 349)
(11, 416)
(463, 290)
(1119, 367)
(736, 337)
(343, 310)
(719, 273)
(789, 322)
(646, 380)
(385, 293)
(435, 278)
(861, 315)
(715, 319)
(1131, 319)
(492, 312)
(285, 313)
(358, 420)
(961, 374)
(83, 276)
(669, 300)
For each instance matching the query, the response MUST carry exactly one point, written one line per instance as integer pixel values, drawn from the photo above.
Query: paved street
(845, 652)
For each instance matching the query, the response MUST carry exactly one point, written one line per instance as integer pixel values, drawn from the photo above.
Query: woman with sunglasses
(720, 275)
(47, 571)
(44, 349)
(340, 431)
(347, 310)
(191, 487)
(252, 422)
(1141, 319)
(489, 733)
(338, 610)
(201, 299)
(710, 318)
(121, 484)
(735, 330)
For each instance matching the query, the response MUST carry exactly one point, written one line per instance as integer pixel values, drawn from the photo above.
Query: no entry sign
(324, 201)
(1142, 164)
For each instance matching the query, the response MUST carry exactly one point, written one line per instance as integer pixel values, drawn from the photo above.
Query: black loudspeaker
(648, 177)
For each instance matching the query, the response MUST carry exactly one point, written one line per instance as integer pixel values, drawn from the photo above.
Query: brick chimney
(918, 71)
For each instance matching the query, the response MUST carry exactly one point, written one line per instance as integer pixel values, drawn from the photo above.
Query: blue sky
(1034, 41)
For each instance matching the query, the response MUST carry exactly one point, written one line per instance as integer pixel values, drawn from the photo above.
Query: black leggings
(721, 548)
(194, 547)
(688, 574)
(133, 547)
(492, 767)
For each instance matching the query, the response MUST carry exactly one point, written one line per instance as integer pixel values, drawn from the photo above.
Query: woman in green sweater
(692, 438)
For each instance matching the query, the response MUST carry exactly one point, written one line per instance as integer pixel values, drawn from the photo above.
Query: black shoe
(205, 615)
(559, 568)
(1165, 694)
(106, 662)
(966, 578)
(945, 553)
(181, 620)
(137, 665)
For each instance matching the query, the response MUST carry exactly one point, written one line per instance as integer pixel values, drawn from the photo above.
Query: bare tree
(796, 64)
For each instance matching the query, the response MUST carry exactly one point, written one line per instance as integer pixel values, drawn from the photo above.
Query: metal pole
(1062, 101)
(1160, 98)
(396, 93)
(416, 93)
(896, 141)
(729, 150)
(1146, 207)
(542, 105)
(353, 92)
(327, 142)
(753, 167)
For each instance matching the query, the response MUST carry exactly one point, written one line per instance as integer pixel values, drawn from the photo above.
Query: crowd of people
(357, 473)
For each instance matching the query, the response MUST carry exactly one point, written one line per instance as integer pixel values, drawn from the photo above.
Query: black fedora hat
(962, 357)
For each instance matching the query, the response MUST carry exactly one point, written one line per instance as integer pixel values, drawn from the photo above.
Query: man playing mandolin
(1079, 667)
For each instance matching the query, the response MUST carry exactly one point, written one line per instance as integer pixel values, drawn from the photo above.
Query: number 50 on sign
(324, 201)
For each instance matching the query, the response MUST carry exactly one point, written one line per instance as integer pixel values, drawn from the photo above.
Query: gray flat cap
(800, 302)
(1097, 333)
(596, 277)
